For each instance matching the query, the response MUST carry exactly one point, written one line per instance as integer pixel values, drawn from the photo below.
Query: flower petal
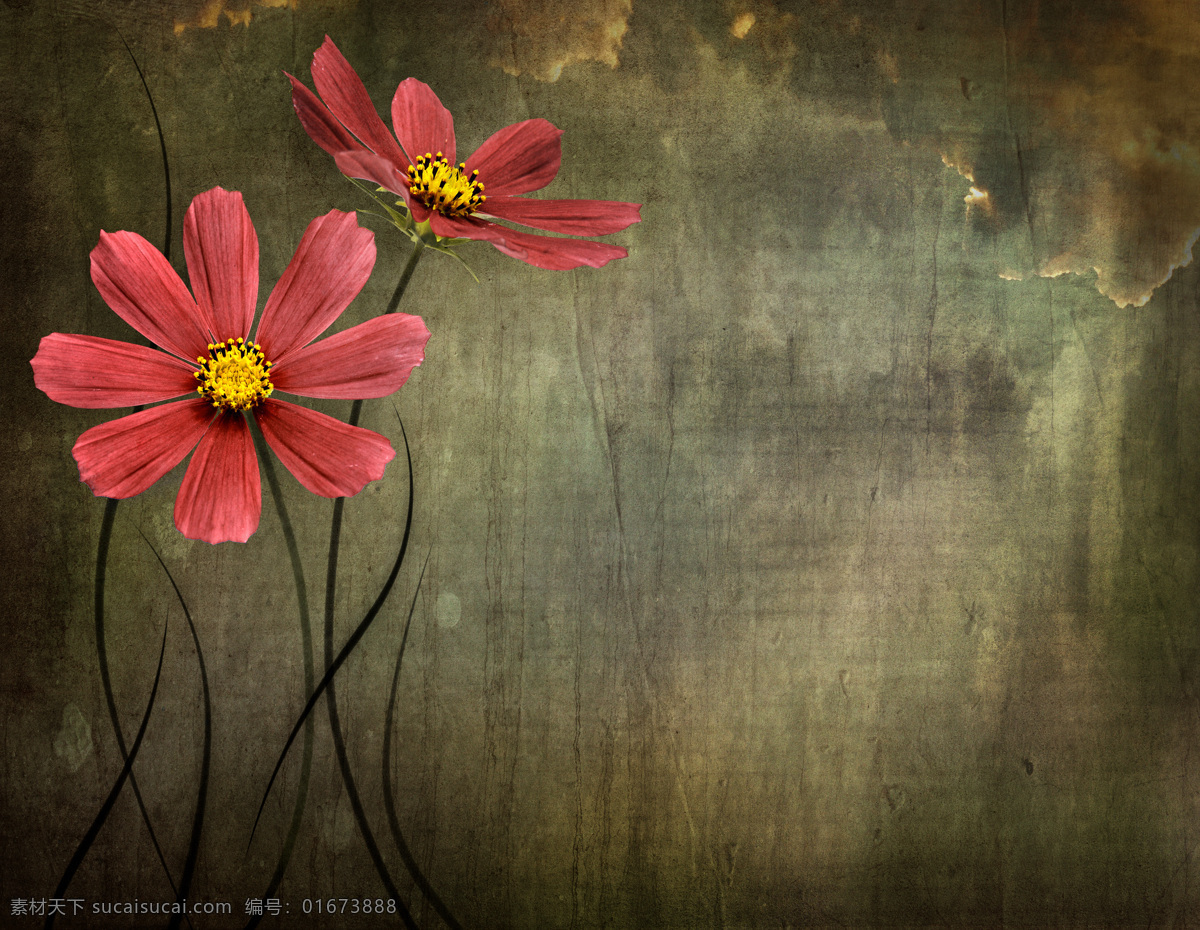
(518, 159)
(220, 499)
(221, 249)
(558, 254)
(321, 125)
(382, 173)
(576, 217)
(124, 457)
(551, 252)
(327, 456)
(422, 124)
(330, 267)
(343, 92)
(87, 371)
(372, 359)
(141, 287)
(466, 227)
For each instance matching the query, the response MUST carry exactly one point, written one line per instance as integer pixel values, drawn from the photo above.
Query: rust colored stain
(1082, 128)
(541, 37)
(1074, 128)
(237, 13)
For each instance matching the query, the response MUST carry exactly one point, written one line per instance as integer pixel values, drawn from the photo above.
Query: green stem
(405, 276)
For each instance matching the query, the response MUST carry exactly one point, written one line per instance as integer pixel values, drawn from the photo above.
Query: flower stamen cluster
(235, 376)
(440, 186)
(216, 391)
(443, 200)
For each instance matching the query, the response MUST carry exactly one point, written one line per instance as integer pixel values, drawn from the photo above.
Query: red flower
(456, 201)
(208, 354)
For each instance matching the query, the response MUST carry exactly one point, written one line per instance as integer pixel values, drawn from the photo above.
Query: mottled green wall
(819, 564)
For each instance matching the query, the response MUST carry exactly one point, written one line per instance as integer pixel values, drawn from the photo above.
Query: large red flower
(458, 201)
(209, 355)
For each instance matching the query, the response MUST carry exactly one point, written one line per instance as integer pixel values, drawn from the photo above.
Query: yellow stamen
(444, 188)
(236, 375)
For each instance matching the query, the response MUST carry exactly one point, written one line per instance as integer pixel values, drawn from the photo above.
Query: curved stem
(336, 729)
(162, 144)
(106, 526)
(332, 664)
(193, 853)
(356, 408)
(94, 831)
(348, 648)
(289, 535)
(410, 861)
(110, 512)
(335, 534)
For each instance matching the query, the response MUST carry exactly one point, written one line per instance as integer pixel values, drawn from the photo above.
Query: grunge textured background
(830, 561)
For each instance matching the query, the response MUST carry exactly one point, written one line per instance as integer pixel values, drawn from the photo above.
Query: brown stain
(1088, 140)
(541, 37)
(767, 29)
(742, 24)
(235, 12)
(1075, 125)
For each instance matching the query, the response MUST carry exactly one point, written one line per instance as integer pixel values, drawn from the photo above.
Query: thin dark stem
(106, 526)
(335, 723)
(406, 855)
(110, 511)
(162, 144)
(193, 853)
(289, 535)
(401, 286)
(405, 276)
(389, 802)
(90, 837)
(335, 534)
(350, 645)
(333, 664)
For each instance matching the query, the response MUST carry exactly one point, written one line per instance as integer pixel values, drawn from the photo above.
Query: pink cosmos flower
(208, 354)
(457, 201)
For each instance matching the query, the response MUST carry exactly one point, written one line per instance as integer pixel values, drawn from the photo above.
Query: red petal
(123, 457)
(87, 371)
(558, 254)
(327, 456)
(576, 217)
(422, 124)
(372, 359)
(321, 125)
(220, 499)
(143, 289)
(330, 267)
(343, 92)
(466, 227)
(518, 159)
(548, 252)
(221, 249)
(382, 173)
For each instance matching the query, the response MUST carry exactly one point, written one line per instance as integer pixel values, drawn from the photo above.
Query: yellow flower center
(236, 375)
(444, 188)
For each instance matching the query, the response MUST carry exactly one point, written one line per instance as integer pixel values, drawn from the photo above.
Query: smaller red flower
(456, 200)
(208, 354)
